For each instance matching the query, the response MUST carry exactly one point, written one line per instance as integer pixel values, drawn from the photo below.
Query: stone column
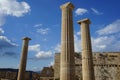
(67, 62)
(87, 61)
(23, 61)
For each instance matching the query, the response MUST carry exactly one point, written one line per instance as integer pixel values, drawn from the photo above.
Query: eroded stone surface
(67, 71)
(106, 65)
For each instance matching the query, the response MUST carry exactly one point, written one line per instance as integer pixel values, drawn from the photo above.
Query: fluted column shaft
(23, 61)
(87, 62)
(67, 71)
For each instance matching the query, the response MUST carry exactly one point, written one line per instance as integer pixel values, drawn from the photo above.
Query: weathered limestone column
(87, 62)
(23, 61)
(67, 62)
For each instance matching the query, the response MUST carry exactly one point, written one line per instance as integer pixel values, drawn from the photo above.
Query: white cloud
(40, 54)
(38, 25)
(43, 54)
(96, 11)
(12, 8)
(109, 38)
(5, 42)
(43, 31)
(100, 43)
(77, 43)
(111, 28)
(2, 19)
(103, 43)
(81, 11)
(57, 48)
(51, 63)
(79, 33)
(1, 31)
(35, 48)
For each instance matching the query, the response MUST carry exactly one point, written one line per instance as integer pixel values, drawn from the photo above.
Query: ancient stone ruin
(23, 62)
(106, 66)
(67, 62)
(69, 65)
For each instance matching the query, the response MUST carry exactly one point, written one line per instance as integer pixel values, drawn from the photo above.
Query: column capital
(26, 38)
(67, 5)
(86, 20)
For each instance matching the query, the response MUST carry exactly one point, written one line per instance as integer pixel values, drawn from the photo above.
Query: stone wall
(106, 66)
(11, 75)
(47, 73)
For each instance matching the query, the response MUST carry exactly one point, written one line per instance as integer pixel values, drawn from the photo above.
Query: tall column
(87, 61)
(23, 61)
(67, 62)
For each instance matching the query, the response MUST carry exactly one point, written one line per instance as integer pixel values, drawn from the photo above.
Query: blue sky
(41, 21)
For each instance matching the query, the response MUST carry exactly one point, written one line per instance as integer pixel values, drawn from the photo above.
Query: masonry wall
(10, 75)
(106, 66)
